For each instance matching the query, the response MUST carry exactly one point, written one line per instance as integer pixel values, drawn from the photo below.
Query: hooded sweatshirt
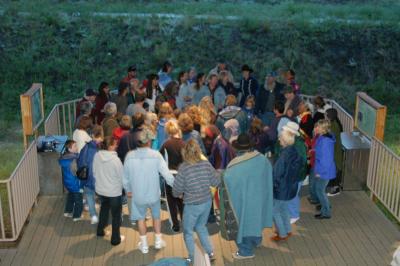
(68, 168)
(108, 169)
(232, 112)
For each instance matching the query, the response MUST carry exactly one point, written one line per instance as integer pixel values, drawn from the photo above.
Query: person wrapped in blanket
(246, 197)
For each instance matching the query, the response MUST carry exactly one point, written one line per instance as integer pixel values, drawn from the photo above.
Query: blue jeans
(311, 186)
(320, 188)
(195, 219)
(294, 204)
(74, 204)
(249, 243)
(282, 217)
(90, 198)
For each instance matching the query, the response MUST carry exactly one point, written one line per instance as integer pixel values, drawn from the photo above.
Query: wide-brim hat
(247, 68)
(292, 127)
(243, 142)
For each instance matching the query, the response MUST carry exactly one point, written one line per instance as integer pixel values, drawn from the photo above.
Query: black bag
(83, 172)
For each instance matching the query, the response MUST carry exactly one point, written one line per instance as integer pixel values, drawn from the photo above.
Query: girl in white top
(80, 135)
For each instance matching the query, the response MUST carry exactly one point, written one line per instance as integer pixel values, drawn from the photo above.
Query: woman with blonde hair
(171, 150)
(324, 166)
(165, 113)
(193, 181)
(151, 121)
(188, 131)
(195, 114)
(207, 110)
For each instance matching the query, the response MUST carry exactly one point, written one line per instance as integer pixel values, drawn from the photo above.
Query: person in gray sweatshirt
(108, 170)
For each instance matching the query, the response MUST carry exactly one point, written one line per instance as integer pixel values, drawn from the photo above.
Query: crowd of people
(236, 153)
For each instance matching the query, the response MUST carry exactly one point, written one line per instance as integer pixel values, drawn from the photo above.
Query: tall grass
(281, 10)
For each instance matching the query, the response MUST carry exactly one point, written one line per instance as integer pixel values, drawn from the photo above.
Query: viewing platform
(357, 234)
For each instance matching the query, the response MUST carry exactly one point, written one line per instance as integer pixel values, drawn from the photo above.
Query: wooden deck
(358, 234)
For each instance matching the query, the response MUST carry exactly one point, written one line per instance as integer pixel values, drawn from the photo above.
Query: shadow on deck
(358, 234)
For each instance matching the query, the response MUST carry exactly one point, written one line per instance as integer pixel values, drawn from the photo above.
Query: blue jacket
(70, 181)
(287, 173)
(161, 135)
(325, 157)
(200, 94)
(86, 157)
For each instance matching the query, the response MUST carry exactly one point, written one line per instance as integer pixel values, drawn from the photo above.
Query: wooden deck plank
(55, 239)
(371, 257)
(42, 222)
(29, 232)
(7, 255)
(49, 231)
(357, 234)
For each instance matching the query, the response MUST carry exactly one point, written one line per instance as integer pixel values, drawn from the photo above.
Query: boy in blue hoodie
(67, 161)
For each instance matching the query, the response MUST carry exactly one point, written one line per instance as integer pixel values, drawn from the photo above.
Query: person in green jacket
(334, 185)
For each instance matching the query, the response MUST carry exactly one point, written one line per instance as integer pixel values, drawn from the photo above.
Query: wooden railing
(61, 119)
(345, 118)
(384, 176)
(22, 189)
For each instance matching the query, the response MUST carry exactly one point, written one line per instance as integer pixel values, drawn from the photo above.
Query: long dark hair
(332, 115)
(180, 75)
(103, 85)
(149, 88)
(122, 86)
(198, 78)
(165, 66)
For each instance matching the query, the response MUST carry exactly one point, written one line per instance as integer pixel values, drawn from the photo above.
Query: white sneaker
(77, 219)
(294, 220)
(144, 249)
(160, 244)
(68, 214)
(94, 220)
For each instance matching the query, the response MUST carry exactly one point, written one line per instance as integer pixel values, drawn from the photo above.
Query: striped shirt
(194, 181)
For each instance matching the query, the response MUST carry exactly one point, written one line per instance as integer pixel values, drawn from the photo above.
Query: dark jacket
(229, 88)
(70, 181)
(286, 173)
(232, 112)
(294, 105)
(86, 157)
(127, 143)
(98, 108)
(324, 157)
(263, 96)
(221, 153)
(248, 87)
(336, 129)
(196, 136)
